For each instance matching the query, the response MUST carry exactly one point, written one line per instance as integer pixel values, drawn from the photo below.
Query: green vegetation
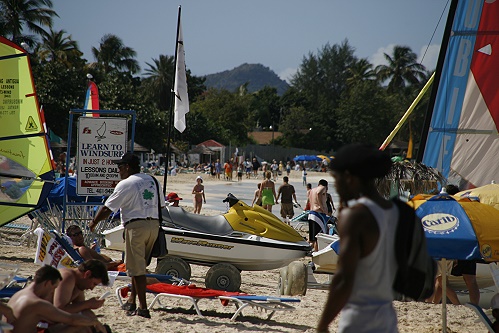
(334, 98)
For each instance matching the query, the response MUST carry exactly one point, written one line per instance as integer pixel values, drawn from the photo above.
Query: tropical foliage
(333, 99)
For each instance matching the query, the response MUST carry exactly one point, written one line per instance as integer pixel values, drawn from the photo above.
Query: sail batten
(463, 140)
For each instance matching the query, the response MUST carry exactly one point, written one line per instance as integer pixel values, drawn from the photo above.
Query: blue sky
(222, 34)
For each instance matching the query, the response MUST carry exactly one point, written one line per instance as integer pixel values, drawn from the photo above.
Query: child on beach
(304, 176)
(257, 198)
(199, 196)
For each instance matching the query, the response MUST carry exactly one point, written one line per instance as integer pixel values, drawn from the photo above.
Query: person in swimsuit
(267, 192)
(199, 197)
(74, 232)
(362, 285)
(31, 307)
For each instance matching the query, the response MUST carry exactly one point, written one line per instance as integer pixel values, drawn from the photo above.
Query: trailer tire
(173, 266)
(223, 277)
(296, 279)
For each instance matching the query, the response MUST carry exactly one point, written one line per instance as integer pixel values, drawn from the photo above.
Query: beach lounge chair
(194, 294)
(75, 256)
(482, 315)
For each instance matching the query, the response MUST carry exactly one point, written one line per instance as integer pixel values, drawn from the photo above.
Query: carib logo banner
(440, 223)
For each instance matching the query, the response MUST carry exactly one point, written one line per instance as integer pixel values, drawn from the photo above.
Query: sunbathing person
(70, 293)
(8, 314)
(74, 232)
(30, 305)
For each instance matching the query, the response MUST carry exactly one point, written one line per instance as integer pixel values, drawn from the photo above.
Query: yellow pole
(407, 113)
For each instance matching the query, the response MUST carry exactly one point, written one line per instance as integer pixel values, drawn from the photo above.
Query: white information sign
(100, 141)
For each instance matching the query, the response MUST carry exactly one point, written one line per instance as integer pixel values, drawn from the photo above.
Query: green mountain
(256, 75)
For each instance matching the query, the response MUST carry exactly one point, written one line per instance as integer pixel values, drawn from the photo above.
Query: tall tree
(158, 80)
(361, 70)
(322, 79)
(112, 54)
(34, 15)
(58, 46)
(227, 113)
(265, 108)
(402, 69)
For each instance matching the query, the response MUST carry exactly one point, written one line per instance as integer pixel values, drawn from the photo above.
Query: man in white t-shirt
(137, 196)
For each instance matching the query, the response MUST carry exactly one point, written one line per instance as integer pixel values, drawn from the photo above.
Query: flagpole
(172, 99)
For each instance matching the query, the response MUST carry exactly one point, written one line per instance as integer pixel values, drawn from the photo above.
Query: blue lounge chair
(483, 317)
(78, 260)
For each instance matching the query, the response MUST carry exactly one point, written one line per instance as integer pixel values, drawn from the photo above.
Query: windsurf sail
(26, 164)
(92, 99)
(462, 139)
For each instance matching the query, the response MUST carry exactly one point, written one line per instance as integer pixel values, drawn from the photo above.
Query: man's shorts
(467, 267)
(315, 220)
(139, 240)
(287, 210)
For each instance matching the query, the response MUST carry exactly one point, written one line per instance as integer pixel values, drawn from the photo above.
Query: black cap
(128, 158)
(363, 160)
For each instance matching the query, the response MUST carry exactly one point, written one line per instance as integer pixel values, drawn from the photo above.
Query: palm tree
(15, 15)
(158, 80)
(361, 70)
(402, 68)
(58, 47)
(113, 55)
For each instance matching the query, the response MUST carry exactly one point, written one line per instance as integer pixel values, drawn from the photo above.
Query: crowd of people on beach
(55, 300)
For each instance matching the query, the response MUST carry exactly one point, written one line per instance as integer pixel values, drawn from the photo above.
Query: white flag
(180, 88)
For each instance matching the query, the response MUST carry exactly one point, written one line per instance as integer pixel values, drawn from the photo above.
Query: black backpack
(416, 271)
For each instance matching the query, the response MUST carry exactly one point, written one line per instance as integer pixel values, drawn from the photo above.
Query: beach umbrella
(302, 158)
(487, 194)
(457, 228)
(324, 157)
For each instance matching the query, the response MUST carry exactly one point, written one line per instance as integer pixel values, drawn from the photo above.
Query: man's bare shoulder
(27, 302)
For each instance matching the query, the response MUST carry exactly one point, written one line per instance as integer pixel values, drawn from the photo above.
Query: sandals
(140, 312)
(129, 306)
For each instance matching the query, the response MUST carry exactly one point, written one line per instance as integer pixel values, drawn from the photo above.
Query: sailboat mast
(172, 99)
(436, 82)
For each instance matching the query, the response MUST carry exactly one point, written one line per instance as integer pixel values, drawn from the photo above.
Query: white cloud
(379, 57)
(431, 56)
(287, 74)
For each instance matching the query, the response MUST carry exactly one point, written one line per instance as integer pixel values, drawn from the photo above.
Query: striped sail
(463, 141)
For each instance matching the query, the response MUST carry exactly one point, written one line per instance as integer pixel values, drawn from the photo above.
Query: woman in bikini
(199, 197)
(267, 192)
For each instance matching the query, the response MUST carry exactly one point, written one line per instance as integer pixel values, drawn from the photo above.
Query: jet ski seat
(201, 223)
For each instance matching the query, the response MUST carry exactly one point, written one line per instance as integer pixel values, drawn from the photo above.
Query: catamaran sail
(92, 99)
(462, 140)
(26, 168)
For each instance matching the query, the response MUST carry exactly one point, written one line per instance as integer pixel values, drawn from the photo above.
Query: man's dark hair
(71, 229)
(323, 182)
(285, 179)
(451, 189)
(97, 268)
(47, 273)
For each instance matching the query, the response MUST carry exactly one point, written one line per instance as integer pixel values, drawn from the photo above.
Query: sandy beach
(177, 315)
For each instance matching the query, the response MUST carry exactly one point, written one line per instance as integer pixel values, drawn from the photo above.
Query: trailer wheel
(296, 279)
(173, 266)
(283, 281)
(223, 277)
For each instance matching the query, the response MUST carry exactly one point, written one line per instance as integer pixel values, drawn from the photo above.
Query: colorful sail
(462, 140)
(26, 170)
(92, 99)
